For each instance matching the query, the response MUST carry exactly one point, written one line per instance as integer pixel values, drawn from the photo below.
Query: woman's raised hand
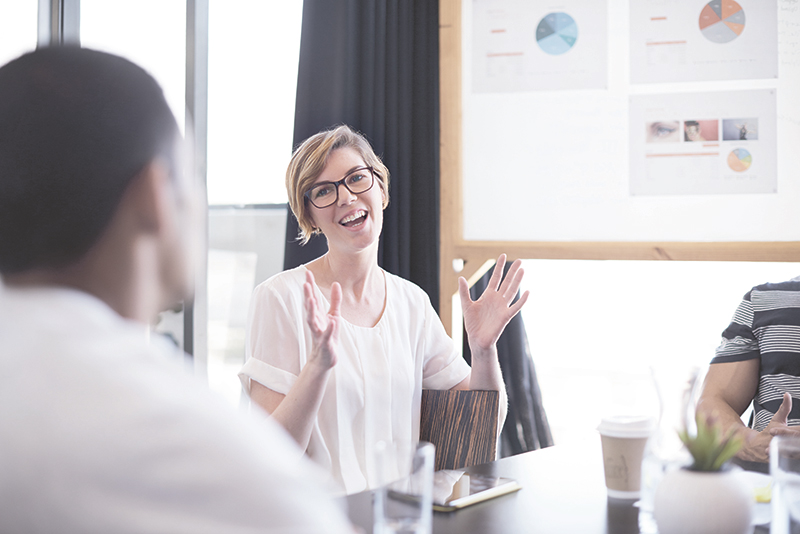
(324, 326)
(486, 318)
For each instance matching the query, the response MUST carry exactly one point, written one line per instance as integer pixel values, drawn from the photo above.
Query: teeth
(353, 217)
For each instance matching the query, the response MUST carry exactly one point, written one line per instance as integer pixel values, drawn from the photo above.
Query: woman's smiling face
(353, 220)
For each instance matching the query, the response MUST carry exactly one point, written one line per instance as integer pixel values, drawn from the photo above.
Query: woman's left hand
(486, 318)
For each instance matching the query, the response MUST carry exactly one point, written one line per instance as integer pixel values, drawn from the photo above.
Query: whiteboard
(563, 155)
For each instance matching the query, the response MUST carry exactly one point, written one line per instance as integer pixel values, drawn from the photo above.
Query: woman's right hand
(324, 326)
(297, 410)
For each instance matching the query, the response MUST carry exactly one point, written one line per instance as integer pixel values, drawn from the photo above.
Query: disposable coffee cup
(623, 438)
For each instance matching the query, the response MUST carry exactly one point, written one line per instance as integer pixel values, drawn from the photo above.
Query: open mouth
(356, 219)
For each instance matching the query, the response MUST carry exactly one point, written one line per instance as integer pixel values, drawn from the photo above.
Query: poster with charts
(716, 143)
(701, 40)
(524, 45)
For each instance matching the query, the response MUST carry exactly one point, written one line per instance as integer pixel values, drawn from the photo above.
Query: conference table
(563, 491)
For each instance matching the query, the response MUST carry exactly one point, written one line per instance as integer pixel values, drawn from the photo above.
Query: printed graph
(739, 160)
(722, 21)
(556, 33)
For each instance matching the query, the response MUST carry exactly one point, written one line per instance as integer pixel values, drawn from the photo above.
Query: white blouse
(375, 389)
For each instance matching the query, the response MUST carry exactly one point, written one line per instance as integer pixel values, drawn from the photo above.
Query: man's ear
(147, 196)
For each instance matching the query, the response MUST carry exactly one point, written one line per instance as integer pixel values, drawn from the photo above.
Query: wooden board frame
(453, 246)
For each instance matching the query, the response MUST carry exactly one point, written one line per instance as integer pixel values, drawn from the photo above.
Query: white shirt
(99, 433)
(375, 389)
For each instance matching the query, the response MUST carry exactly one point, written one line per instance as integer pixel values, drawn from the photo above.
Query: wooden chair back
(461, 424)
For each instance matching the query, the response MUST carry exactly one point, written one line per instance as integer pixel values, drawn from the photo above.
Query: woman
(341, 363)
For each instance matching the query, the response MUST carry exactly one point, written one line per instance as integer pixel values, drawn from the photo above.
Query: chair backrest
(461, 424)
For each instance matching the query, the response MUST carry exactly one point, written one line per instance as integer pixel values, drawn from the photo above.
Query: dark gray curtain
(374, 65)
(526, 427)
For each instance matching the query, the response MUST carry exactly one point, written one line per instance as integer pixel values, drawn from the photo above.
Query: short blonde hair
(308, 161)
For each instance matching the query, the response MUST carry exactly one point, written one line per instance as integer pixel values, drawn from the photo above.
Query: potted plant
(707, 497)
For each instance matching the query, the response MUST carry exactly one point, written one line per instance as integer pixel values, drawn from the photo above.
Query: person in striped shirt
(758, 362)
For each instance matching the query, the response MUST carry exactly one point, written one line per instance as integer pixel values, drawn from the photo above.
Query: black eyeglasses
(326, 194)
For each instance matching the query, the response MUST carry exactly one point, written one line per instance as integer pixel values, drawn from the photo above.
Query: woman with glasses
(338, 350)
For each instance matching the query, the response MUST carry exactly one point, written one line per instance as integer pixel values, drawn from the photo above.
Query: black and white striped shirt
(766, 325)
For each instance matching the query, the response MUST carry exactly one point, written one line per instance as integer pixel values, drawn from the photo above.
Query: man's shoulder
(776, 294)
(792, 284)
(112, 406)
(788, 285)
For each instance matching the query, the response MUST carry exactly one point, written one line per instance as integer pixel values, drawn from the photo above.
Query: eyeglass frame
(336, 184)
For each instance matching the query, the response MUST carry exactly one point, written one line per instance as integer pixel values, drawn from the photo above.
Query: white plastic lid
(627, 426)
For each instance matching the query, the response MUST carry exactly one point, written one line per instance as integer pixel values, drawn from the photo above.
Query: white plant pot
(694, 502)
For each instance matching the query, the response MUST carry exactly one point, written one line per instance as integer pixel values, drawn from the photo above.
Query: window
(253, 51)
(18, 28)
(151, 33)
(596, 327)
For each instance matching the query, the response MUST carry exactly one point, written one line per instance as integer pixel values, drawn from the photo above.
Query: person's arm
(297, 410)
(727, 392)
(490, 379)
(484, 321)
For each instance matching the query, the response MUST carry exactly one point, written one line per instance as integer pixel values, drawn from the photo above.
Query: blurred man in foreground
(99, 432)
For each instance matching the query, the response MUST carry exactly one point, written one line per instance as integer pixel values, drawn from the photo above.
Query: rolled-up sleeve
(739, 342)
(274, 343)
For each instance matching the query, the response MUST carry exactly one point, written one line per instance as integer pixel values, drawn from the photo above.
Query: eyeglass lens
(325, 194)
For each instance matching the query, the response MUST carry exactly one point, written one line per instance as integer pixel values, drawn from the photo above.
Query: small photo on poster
(663, 132)
(740, 129)
(696, 131)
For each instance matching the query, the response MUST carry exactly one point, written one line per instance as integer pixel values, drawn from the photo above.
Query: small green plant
(710, 447)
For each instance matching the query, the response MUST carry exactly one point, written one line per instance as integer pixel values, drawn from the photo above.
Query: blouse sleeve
(275, 342)
(444, 366)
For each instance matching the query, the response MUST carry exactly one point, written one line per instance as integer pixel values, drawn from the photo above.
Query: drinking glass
(402, 504)
(784, 466)
(677, 388)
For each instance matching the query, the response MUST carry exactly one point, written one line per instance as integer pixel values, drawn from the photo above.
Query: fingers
(782, 415)
(509, 285)
(308, 290)
(314, 317)
(463, 292)
(497, 273)
(311, 306)
(336, 300)
(513, 310)
(331, 332)
(512, 281)
(784, 431)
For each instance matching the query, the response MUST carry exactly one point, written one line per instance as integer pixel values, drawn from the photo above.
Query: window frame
(59, 25)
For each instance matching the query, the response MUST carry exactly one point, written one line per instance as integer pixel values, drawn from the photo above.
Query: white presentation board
(648, 120)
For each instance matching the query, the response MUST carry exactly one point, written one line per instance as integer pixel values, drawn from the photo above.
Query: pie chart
(722, 21)
(739, 160)
(556, 33)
